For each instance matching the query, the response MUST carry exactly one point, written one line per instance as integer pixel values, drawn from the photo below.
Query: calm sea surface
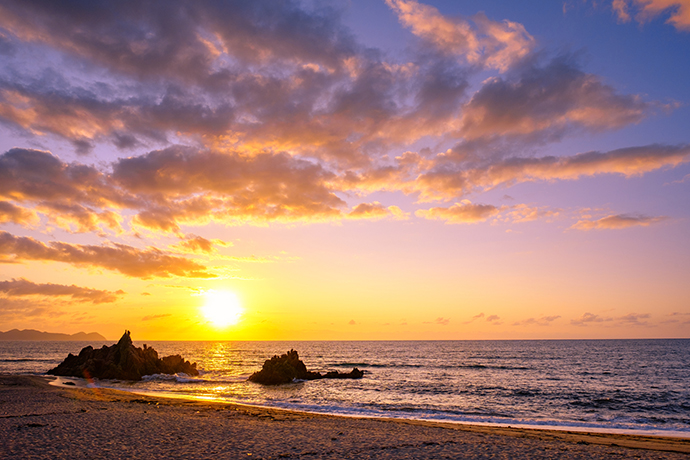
(640, 385)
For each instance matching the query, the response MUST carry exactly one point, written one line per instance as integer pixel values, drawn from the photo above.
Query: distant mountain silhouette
(34, 335)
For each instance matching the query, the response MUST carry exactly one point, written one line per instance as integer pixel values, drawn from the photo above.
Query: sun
(222, 308)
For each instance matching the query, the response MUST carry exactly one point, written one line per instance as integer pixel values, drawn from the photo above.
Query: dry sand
(39, 421)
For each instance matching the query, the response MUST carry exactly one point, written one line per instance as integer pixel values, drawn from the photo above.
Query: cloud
(191, 185)
(617, 222)
(195, 244)
(523, 213)
(678, 317)
(169, 187)
(265, 77)
(466, 212)
(678, 11)
(492, 319)
(128, 260)
(685, 178)
(445, 181)
(15, 214)
(151, 317)
(22, 287)
(631, 319)
(460, 213)
(80, 219)
(178, 40)
(548, 100)
(188, 186)
(543, 321)
(587, 318)
(474, 318)
(376, 211)
(480, 42)
(36, 175)
(22, 309)
(634, 319)
(283, 113)
(440, 321)
(7, 48)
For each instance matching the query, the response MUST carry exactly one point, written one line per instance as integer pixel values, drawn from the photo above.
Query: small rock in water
(288, 367)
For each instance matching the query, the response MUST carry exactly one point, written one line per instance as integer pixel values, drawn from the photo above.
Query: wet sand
(40, 421)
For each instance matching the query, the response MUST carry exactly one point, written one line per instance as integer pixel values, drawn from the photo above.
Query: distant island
(34, 335)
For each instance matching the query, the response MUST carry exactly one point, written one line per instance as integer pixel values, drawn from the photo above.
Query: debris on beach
(288, 367)
(122, 361)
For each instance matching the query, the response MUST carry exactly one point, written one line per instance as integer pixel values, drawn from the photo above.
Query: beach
(39, 421)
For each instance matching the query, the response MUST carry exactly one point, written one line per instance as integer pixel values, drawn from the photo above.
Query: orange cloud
(22, 308)
(128, 260)
(80, 219)
(633, 319)
(487, 43)
(22, 287)
(376, 210)
(549, 98)
(441, 321)
(645, 10)
(195, 244)
(192, 185)
(151, 317)
(466, 212)
(445, 182)
(543, 321)
(523, 213)
(12, 213)
(617, 222)
(589, 318)
(460, 213)
(170, 187)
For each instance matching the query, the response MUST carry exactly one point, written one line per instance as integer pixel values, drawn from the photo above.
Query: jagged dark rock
(353, 374)
(122, 361)
(288, 367)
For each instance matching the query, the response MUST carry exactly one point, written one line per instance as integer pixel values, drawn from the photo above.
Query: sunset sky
(345, 169)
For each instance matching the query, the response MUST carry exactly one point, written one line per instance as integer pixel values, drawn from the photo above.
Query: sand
(39, 421)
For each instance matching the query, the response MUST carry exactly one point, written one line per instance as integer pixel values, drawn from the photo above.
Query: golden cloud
(128, 260)
(22, 287)
(15, 214)
(645, 10)
(617, 222)
(460, 213)
(484, 42)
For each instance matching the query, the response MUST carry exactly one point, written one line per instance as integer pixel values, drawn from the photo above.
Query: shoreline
(49, 421)
(508, 425)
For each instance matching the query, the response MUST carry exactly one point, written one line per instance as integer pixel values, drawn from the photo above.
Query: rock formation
(122, 361)
(288, 367)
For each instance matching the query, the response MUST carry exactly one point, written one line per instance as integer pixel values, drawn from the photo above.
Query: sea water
(598, 385)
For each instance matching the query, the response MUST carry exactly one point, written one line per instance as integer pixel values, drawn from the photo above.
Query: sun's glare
(222, 308)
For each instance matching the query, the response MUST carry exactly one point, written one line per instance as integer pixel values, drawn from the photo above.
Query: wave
(180, 378)
(427, 366)
(24, 360)
(184, 378)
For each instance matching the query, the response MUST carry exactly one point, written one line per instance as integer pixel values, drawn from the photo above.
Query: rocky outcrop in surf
(288, 367)
(122, 361)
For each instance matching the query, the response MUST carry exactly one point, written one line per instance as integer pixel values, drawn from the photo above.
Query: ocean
(635, 386)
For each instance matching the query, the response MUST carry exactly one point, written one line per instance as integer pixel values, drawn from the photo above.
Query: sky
(345, 169)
